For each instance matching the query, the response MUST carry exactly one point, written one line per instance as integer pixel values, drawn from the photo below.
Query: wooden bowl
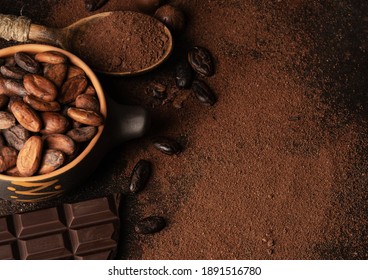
(121, 123)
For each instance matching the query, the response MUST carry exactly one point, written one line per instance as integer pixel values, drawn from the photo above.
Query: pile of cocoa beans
(49, 112)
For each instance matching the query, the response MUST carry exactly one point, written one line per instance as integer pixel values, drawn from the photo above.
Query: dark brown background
(277, 169)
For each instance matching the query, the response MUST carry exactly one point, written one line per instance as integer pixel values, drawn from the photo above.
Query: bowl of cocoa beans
(56, 123)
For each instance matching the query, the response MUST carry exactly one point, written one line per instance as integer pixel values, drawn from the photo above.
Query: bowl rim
(74, 60)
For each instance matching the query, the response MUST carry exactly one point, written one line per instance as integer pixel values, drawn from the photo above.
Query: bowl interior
(36, 48)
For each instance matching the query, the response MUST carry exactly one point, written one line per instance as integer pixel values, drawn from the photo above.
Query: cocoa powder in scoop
(111, 44)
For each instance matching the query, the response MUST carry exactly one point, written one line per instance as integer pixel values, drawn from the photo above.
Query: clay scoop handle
(21, 29)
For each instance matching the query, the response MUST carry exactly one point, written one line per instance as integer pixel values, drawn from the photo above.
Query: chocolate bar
(81, 230)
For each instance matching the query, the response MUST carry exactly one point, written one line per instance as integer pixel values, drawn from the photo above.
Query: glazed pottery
(122, 123)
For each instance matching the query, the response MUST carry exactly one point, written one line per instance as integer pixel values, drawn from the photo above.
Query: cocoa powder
(119, 47)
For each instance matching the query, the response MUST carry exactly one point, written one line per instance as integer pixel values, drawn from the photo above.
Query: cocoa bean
(40, 87)
(85, 116)
(51, 160)
(14, 88)
(167, 145)
(60, 142)
(13, 72)
(41, 105)
(74, 71)
(87, 102)
(29, 156)
(26, 62)
(72, 88)
(150, 225)
(54, 123)
(201, 61)
(56, 73)
(183, 74)
(25, 115)
(8, 158)
(140, 175)
(52, 57)
(11, 100)
(203, 92)
(82, 134)
(16, 136)
(7, 120)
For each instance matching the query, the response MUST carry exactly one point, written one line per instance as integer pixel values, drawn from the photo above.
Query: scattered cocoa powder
(122, 42)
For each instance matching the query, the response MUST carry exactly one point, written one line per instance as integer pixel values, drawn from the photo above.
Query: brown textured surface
(277, 169)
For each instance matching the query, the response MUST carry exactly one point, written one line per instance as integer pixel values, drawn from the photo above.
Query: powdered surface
(277, 169)
(121, 42)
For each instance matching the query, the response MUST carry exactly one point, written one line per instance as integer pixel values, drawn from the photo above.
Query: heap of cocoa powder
(120, 47)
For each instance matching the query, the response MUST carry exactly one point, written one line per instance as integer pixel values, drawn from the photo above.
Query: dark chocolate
(81, 230)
